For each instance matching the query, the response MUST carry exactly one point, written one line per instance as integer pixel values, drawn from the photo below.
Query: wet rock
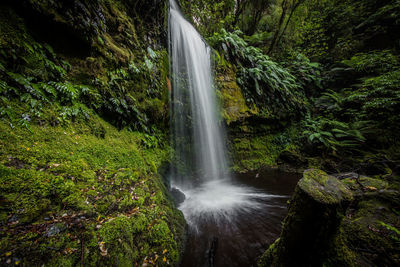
(365, 184)
(292, 158)
(345, 175)
(177, 195)
(309, 234)
(54, 229)
(211, 253)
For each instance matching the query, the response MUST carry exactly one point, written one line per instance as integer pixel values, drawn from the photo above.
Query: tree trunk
(296, 5)
(283, 15)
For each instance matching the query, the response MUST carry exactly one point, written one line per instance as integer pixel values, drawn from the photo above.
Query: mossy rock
(234, 107)
(310, 231)
(366, 183)
(324, 188)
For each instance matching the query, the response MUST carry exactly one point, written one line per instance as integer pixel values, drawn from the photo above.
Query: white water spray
(200, 145)
(198, 136)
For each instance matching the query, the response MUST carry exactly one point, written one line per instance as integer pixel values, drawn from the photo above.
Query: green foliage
(335, 30)
(378, 98)
(313, 37)
(209, 16)
(307, 73)
(335, 136)
(264, 81)
(373, 62)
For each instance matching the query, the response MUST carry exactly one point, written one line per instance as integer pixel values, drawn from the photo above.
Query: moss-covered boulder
(352, 222)
(310, 232)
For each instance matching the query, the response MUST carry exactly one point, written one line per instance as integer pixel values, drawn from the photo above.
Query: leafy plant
(71, 112)
(373, 62)
(335, 136)
(264, 81)
(307, 73)
(377, 99)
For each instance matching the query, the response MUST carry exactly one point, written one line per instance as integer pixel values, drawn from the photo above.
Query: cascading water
(215, 204)
(198, 138)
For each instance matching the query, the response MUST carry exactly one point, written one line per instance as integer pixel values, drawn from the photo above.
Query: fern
(335, 135)
(264, 81)
(66, 91)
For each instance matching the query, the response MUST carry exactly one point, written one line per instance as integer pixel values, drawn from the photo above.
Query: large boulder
(309, 235)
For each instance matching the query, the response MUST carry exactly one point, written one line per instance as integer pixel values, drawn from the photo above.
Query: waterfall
(199, 142)
(198, 138)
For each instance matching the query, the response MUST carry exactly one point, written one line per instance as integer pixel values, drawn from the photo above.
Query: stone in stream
(177, 195)
(211, 253)
(309, 234)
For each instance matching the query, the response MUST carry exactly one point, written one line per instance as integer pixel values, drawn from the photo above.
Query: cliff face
(115, 48)
(78, 187)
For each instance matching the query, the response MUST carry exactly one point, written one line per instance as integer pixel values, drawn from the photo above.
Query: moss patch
(234, 107)
(253, 148)
(323, 188)
(64, 186)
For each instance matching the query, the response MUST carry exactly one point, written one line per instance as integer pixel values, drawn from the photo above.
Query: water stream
(242, 238)
(229, 220)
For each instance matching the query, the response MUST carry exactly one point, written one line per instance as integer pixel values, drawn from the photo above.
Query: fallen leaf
(164, 251)
(371, 188)
(103, 250)
(8, 254)
(164, 259)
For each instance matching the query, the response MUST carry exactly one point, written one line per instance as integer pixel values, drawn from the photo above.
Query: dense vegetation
(319, 88)
(331, 68)
(84, 118)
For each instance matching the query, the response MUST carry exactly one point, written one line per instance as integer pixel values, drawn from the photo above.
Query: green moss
(364, 232)
(269, 254)
(255, 147)
(368, 183)
(65, 172)
(323, 188)
(234, 107)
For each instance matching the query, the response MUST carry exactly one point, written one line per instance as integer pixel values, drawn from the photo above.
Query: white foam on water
(221, 201)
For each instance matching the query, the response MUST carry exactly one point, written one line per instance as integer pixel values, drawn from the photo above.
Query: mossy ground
(65, 190)
(83, 107)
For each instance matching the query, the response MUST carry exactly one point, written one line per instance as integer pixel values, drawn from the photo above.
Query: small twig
(20, 192)
(82, 251)
(359, 183)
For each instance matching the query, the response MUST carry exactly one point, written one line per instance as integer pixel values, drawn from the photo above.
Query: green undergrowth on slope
(70, 195)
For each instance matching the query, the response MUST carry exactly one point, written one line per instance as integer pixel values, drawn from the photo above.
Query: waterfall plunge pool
(233, 223)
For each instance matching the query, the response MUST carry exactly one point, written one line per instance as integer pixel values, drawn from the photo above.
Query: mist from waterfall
(200, 154)
(198, 138)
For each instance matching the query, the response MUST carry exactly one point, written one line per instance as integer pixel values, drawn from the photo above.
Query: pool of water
(233, 223)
